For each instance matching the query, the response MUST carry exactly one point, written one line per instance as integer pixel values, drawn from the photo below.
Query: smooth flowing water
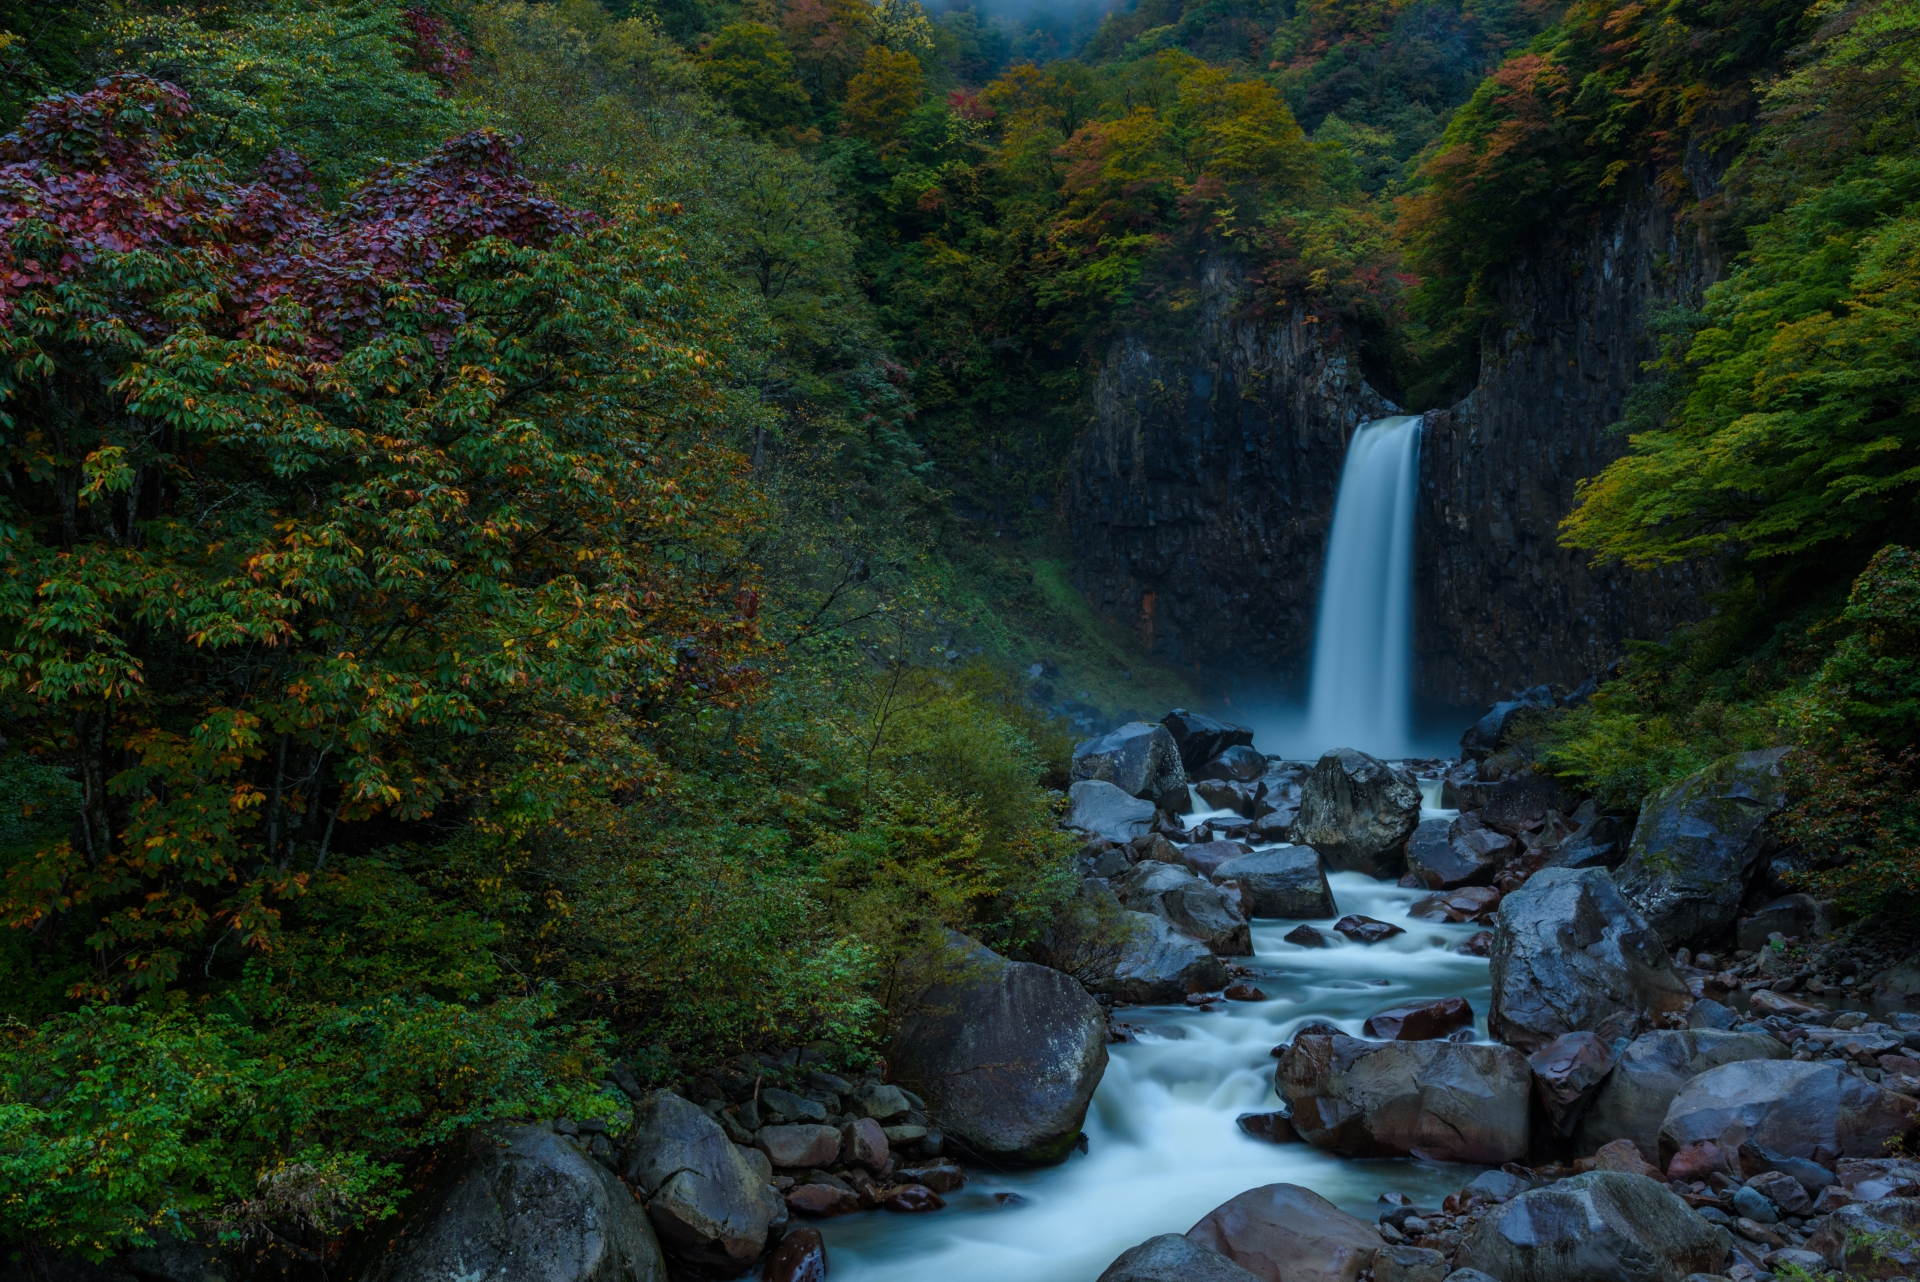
(1361, 688)
(1164, 1148)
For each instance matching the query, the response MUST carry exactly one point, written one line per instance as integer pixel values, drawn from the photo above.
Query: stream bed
(1163, 1145)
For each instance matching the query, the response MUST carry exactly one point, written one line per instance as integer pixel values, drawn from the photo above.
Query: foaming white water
(1361, 690)
(1163, 1145)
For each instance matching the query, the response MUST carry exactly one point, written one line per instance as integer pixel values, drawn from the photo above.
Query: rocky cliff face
(1200, 496)
(1500, 603)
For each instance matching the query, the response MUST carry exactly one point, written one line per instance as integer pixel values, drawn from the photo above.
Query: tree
(827, 38)
(882, 95)
(748, 68)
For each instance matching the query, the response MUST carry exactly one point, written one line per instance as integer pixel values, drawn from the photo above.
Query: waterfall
(1362, 686)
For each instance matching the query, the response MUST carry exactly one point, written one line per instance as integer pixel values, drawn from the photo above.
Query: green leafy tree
(748, 68)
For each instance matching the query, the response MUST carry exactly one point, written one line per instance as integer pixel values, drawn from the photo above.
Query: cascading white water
(1363, 638)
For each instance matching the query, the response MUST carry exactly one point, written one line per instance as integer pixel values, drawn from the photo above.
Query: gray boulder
(1201, 738)
(1489, 734)
(1238, 764)
(1632, 1102)
(1571, 954)
(1005, 1054)
(1140, 758)
(1191, 906)
(1794, 1108)
(1281, 881)
(1438, 1101)
(1284, 1233)
(711, 1205)
(1358, 811)
(1173, 1257)
(1446, 854)
(1871, 1239)
(1698, 845)
(1103, 810)
(1158, 965)
(518, 1202)
(1604, 1226)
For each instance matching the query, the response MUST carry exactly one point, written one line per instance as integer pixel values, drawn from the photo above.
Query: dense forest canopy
(518, 518)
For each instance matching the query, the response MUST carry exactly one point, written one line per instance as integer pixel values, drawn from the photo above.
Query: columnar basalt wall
(1499, 603)
(1200, 495)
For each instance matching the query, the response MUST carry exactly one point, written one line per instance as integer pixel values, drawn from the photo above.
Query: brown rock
(794, 1147)
(1699, 1160)
(822, 1200)
(1767, 1002)
(1306, 937)
(1566, 1073)
(941, 1177)
(1796, 1108)
(1417, 1023)
(914, 1198)
(864, 1143)
(1478, 944)
(800, 1257)
(1275, 1128)
(1469, 903)
(1441, 1101)
(1243, 993)
(1624, 1156)
(1284, 1233)
(1366, 930)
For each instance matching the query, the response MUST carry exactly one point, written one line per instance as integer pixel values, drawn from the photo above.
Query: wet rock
(520, 1202)
(1796, 916)
(1205, 858)
(1006, 1055)
(1570, 954)
(1284, 1233)
(1567, 1073)
(708, 1200)
(1227, 794)
(1478, 944)
(1173, 1257)
(1158, 965)
(941, 1177)
(1449, 853)
(795, 1147)
(1469, 903)
(1191, 906)
(1239, 763)
(1698, 845)
(1305, 937)
(1358, 812)
(1594, 844)
(1796, 1108)
(1366, 930)
(1200, 738)
(1633, 1101)
(911, 1199)
(1522, 803)
(1243, 993)
(1104, 810)
(863, 1143)
(1440, 1101)
(1140, 758)
(1282, 881)
(1422, 1022)
(1489, 734)
(822, 1200)
(800, 1257)
(1275, 1128)
(1871, 1239)
(1598, 1227)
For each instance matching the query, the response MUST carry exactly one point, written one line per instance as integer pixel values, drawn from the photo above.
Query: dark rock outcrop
(1570, 954)
(1633, 1101)
(1489, 734)
(1698, 845)
(1446, 854)
(1201, 738)
(1006, 1055)
(710, 1205)
(1358, 812)
(1191, 906)
(1173, 1257)
(1281, 881)
(1158, 964)
(1440, 1101)
(1284, 1233)
(1140, 758)
(1791, 1107)
(1599, 1227)
(524, 1203)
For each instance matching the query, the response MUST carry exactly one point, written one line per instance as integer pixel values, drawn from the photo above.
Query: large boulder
(1570, 954)
(1795, 1108)
(1140, 758)
(1446, 854)
(1632, 1102)
(1567, 1072)
(1358, 811)
(1281, 881)
(1191, 906)
(1101, 809)
(518, 1202)
(1173, 1257)
(1284, 1233)
(1439, 1101)
(1698, 845)
(1200, 738)
(1238, 764)
(710, 1203)
(1601, 1227)
(1006, 1055)
(1159, 965)
(1522, 803)
(1489, 734)
(1871, 1239)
